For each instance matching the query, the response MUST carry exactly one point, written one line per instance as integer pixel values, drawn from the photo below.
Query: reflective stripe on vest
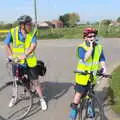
(88, 64)
(19, 47)
(18, 53)
(92, 64)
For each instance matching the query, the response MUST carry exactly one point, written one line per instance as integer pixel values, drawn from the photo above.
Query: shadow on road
(55, 90)
(51, 90)
(106, 97)
(1, 118)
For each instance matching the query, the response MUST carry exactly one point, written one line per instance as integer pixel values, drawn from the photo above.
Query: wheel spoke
(22, 105)
(96, 108)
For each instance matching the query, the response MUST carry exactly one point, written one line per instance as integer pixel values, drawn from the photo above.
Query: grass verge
(114, 91)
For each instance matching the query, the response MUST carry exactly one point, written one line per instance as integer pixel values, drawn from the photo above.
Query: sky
(88, 10)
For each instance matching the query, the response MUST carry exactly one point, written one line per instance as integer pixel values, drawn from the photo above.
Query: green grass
(66, 33)
(2, 36)
(114, 90)
(75, 32)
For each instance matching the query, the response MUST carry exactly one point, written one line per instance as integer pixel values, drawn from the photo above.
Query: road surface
(60, 59)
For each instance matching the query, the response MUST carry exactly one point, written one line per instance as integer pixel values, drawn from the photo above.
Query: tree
(106, 21)
(73, 19)
(65, 19)
(96, 23)
(118, 20)
(15, 23)
(1, 22)
(70, 19)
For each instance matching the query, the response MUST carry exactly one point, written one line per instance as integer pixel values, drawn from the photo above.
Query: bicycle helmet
(86, 31)
(24, 19)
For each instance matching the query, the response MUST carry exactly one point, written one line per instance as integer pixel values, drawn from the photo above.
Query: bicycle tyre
(97, 108)
(27, 96)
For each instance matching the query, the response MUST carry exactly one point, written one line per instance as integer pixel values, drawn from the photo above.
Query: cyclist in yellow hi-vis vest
(90, 54)
(21, 42)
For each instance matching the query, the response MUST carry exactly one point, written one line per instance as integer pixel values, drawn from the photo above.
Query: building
(43, 25)
(57, 24)
(49, 24)
(114, 23)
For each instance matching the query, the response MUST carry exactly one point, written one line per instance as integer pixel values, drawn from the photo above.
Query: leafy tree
(14, 24)
(70, 19)
(1, 22)
(73, 19)
(6, 26)
(65, 19)
(118, 19)
(88, 23)
(106, 21)
(96, 23)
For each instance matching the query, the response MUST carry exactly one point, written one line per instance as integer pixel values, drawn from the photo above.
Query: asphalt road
(60, 59)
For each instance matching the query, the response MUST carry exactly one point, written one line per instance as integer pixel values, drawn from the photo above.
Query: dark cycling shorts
(31, 72)
(80, 88)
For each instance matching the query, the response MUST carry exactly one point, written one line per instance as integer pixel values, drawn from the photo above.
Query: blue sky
(89, 10)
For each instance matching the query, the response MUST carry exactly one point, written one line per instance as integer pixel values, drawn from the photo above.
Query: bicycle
(21, 86)
(90, 106)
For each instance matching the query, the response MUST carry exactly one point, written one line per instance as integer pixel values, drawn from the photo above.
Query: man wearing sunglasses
(21, 42)
(90, 54)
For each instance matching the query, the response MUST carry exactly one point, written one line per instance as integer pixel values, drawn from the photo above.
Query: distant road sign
(4, 31)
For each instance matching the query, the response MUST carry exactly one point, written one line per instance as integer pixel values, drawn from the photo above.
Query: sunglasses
(28, 24)
(91, 36)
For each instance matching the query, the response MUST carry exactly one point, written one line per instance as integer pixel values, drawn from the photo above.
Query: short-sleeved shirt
(82, 51)
(32, 74)
(21, 37)
(9, 40)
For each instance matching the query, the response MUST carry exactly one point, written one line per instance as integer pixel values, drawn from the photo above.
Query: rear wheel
(23, 103)
(96, 109)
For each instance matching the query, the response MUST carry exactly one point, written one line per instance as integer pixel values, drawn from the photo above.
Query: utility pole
(35, 13)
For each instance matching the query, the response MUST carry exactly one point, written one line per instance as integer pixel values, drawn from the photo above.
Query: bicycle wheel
(96, 107)
(22, 105)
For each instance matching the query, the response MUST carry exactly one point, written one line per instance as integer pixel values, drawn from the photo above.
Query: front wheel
(22, 105)
(97, 110)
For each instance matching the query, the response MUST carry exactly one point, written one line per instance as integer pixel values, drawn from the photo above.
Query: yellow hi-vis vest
(92, 64)
(19, 47)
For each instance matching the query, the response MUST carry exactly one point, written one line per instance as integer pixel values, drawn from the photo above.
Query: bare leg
(76, 101)
(14, 94)
(39, 91)
(77, 97)
(38, 88)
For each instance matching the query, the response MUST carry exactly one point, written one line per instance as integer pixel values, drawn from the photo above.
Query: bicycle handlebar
(92, 72)
(14, 60)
